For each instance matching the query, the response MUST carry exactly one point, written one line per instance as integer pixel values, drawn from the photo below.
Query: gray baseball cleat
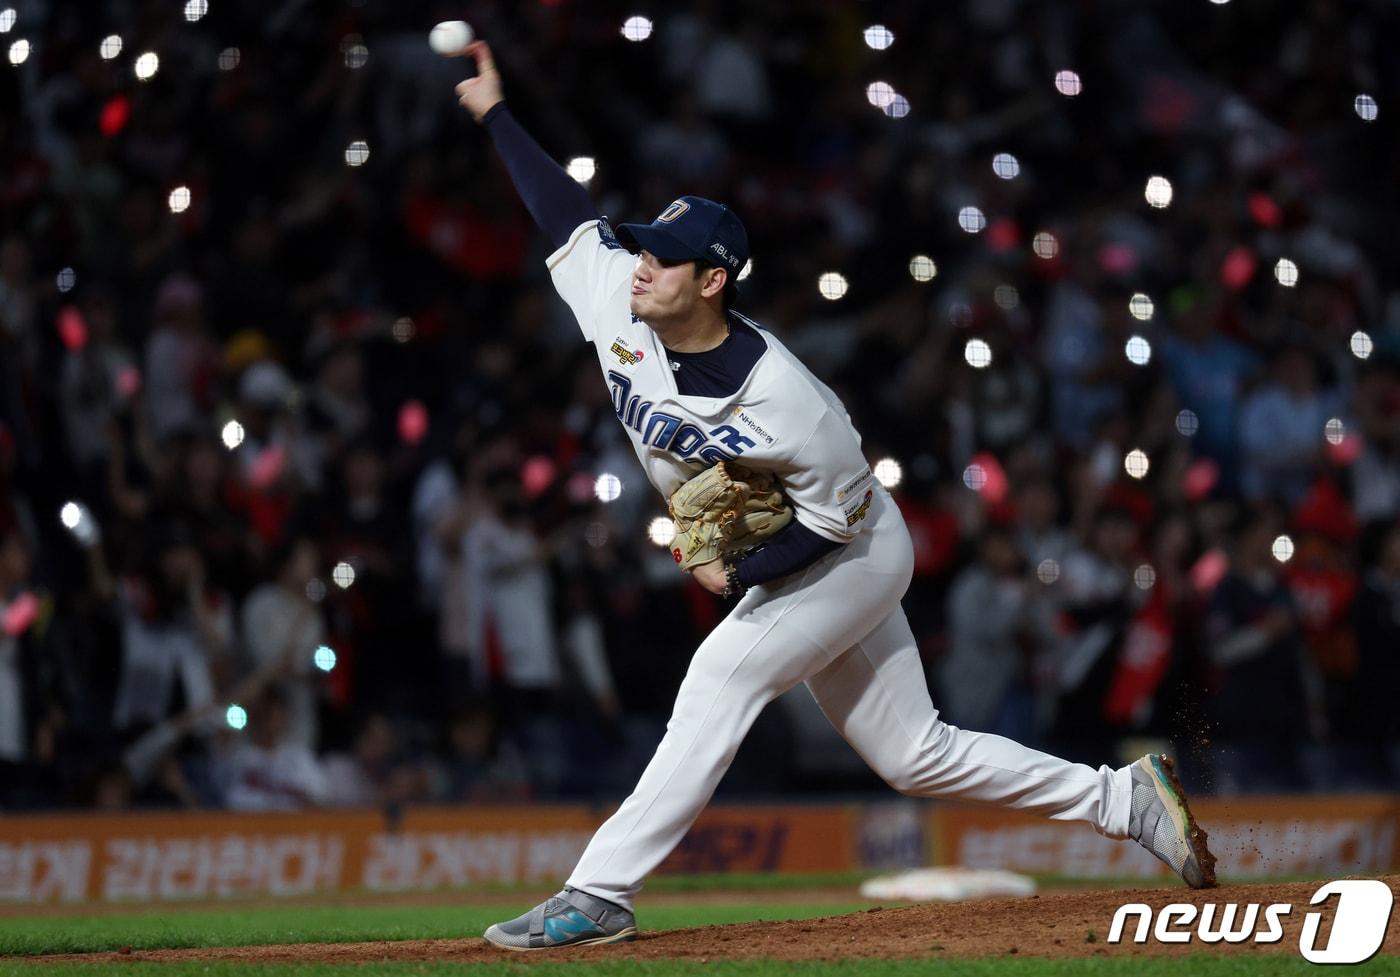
(571, 918)
(1162, 823)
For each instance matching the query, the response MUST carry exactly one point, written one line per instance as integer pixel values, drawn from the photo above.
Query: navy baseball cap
(692, 229)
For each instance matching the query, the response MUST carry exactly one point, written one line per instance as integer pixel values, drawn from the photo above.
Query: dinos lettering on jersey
(670, 432)
(626, 356)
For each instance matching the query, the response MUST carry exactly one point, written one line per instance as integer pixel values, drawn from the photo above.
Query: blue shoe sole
(622, 936)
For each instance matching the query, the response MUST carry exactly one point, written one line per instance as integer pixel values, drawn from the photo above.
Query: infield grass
(32, 935)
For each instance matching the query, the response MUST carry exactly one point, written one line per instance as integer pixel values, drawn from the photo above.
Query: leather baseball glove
(725, 509)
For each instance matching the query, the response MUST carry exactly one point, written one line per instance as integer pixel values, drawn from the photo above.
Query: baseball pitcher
(704, 391)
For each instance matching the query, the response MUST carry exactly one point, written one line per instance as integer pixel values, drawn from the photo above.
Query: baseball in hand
(450, 37)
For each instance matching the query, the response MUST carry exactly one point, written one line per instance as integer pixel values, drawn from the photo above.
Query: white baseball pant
(838, 626)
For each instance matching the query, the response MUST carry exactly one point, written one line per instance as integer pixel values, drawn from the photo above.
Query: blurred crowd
(303, 466)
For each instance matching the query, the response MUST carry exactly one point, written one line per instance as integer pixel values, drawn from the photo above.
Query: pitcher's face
(664, 291)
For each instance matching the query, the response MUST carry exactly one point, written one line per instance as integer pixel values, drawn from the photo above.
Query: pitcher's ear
(715, 283)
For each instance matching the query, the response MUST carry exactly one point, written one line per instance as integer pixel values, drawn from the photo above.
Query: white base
(947, 885)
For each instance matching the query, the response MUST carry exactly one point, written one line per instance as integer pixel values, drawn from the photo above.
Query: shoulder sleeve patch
(608, 236)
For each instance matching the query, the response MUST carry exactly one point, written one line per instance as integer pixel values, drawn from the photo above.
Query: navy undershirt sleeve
(787, 551)
(556, 201)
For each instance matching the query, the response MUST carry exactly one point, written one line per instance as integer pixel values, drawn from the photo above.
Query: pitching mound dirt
(1061, 924)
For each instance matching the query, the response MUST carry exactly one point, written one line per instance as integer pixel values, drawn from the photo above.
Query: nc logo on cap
(677, 208)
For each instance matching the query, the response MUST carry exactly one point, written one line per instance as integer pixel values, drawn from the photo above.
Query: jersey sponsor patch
(626, 355)
(751, 423)
(855, 514)
(853, 486)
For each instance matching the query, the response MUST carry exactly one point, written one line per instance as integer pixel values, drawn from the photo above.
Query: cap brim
(638, 237)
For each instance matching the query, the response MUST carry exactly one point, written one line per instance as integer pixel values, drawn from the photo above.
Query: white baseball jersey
(781, 420)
